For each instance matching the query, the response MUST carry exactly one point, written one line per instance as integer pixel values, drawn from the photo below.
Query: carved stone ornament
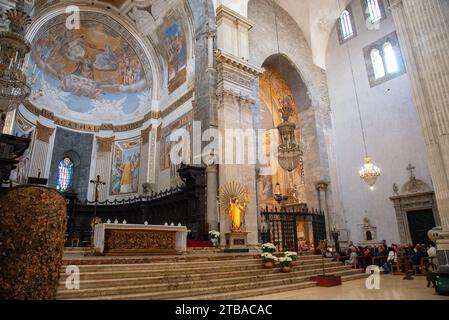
(43, 133)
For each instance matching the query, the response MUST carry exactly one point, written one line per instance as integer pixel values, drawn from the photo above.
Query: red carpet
(198, 244)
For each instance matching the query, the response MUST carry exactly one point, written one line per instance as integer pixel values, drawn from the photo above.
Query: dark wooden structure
(11, 148)
(185, 204)
(280, 227)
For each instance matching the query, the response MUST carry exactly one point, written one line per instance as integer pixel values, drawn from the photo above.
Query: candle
(10, 64)
(34, 69)
(15, 58)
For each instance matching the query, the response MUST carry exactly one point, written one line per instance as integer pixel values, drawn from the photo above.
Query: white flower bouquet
(268, 247)
(213, 234)
(285, 261)
(268, 257)
(291, 254)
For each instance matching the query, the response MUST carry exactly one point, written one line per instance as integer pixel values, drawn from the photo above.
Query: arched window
(391, 61)
(346, 27)
(378, 64)
(374, 10)
(65, 174)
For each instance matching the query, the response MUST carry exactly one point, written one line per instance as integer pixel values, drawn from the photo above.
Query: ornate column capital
(321, 185)
(145, 134)
(105, 144)
(43, 133)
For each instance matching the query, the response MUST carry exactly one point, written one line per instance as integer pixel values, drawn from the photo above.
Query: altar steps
(97, 280)
(193, 289)
(193, 278)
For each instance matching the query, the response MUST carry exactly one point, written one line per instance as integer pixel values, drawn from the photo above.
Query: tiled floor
(391, 288)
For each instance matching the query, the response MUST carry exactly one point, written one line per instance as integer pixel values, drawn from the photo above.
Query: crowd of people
(387, 255)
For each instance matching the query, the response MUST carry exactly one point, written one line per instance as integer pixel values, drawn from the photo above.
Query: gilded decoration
(43, 133)
(140, 241)
(105, 144)
(33, 224)
(234, 199)
(272, 90)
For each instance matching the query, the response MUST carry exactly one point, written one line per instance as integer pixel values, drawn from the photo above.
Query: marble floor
(391, 288)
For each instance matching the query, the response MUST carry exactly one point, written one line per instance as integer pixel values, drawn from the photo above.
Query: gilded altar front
(140, 239)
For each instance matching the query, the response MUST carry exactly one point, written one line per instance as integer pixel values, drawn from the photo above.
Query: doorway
(420, 222)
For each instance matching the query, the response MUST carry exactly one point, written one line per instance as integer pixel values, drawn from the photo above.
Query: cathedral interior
(209, 128)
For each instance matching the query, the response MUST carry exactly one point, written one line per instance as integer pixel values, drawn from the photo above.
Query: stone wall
(314, 109)
(390, 122)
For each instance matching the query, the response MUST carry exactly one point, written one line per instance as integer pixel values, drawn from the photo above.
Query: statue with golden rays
(234, 200)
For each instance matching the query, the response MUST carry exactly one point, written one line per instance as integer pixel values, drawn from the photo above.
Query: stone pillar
(144, 157)
(212, 187)
(321, 188)
(103, 164)
(210, 50)
(40, 150)
(423, 31)
(235, 102)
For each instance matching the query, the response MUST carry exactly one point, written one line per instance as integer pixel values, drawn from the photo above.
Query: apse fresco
(272, 89)
(175, 48)
(125, 167)
(92, 71)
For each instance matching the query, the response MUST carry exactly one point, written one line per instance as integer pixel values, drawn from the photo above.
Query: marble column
(103, 164)
(40, 151)
(423, 31)
(321, 188)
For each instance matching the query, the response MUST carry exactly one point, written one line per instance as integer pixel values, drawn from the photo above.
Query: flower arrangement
(285, 261)
(285, 264)
(268, 260)
(213, 234)
(291, 254)
(268, 257)
(268, 247)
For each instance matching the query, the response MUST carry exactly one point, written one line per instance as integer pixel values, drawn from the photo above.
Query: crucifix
(411, 168)
(97, 184)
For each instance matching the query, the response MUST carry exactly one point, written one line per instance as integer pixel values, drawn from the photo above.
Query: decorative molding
(43, 133)
(105, 144)
(229, 59)
(126, 241)
(225, 12)
(186, 97)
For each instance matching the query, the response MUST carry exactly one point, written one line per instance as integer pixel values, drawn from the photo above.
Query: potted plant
(268, 247)
(293, 255)
(214, 236)
(268, 260)
(285, 264)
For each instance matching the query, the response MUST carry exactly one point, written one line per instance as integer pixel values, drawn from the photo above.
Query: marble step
(105, 283)
(187, 271)
(254, 293)
(156, 266)
(180, 284)
(207, 290)
(102, 260)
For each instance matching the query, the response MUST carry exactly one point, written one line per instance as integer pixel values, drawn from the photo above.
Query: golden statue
(234, 200)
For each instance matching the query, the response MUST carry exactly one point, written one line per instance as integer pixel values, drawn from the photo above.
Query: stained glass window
(65, 175)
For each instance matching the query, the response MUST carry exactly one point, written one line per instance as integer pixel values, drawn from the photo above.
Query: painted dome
(98, 73)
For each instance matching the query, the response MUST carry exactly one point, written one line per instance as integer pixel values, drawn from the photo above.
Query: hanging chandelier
(289, 152)
(369, 173)
(14, 87)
